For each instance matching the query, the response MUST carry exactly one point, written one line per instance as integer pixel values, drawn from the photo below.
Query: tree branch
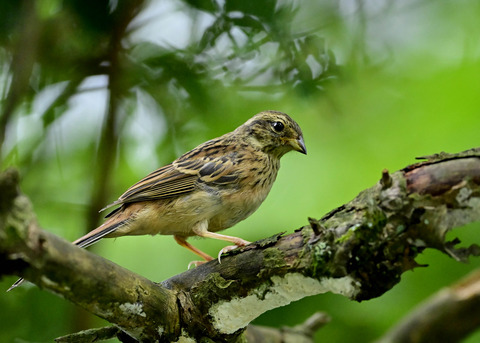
(359, 250)
(432, 320)
(300, 333)
(135, 304)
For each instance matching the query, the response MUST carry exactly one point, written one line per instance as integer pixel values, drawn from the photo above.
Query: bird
(208, 189)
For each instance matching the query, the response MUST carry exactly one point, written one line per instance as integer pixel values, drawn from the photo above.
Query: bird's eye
(278, 126)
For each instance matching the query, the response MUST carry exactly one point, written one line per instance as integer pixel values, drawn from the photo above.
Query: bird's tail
(95, 235)
(85, 241)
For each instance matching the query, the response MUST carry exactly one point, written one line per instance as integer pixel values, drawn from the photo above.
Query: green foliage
(84, 82)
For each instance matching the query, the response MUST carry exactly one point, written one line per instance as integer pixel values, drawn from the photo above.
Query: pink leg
(201, 230)
(181, 241)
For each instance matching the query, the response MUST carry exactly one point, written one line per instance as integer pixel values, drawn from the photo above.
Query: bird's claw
(225, 250)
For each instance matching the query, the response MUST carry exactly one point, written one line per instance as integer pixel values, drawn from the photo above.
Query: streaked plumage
(208, 189)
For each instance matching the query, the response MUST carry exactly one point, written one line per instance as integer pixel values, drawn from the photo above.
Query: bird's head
(274, 132)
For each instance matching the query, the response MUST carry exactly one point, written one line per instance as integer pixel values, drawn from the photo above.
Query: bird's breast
(240, 202)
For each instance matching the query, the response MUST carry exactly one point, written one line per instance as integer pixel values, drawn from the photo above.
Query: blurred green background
(96, 94)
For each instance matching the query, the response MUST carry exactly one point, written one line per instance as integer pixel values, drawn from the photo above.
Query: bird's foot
(227, 249)
(238, 243)
(206, 257)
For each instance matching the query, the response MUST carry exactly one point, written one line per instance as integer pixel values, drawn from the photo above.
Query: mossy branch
(359, 250)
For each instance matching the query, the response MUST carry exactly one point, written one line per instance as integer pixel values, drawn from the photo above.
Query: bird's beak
(299, 145)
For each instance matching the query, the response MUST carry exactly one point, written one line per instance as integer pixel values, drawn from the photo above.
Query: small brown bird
(208, 189)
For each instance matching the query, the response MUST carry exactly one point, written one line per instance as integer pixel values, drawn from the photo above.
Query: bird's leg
(201, 230)
(183, 242)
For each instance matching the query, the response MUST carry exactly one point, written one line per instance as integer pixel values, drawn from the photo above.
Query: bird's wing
(163, 183)
(219, 170)
(181, 177)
